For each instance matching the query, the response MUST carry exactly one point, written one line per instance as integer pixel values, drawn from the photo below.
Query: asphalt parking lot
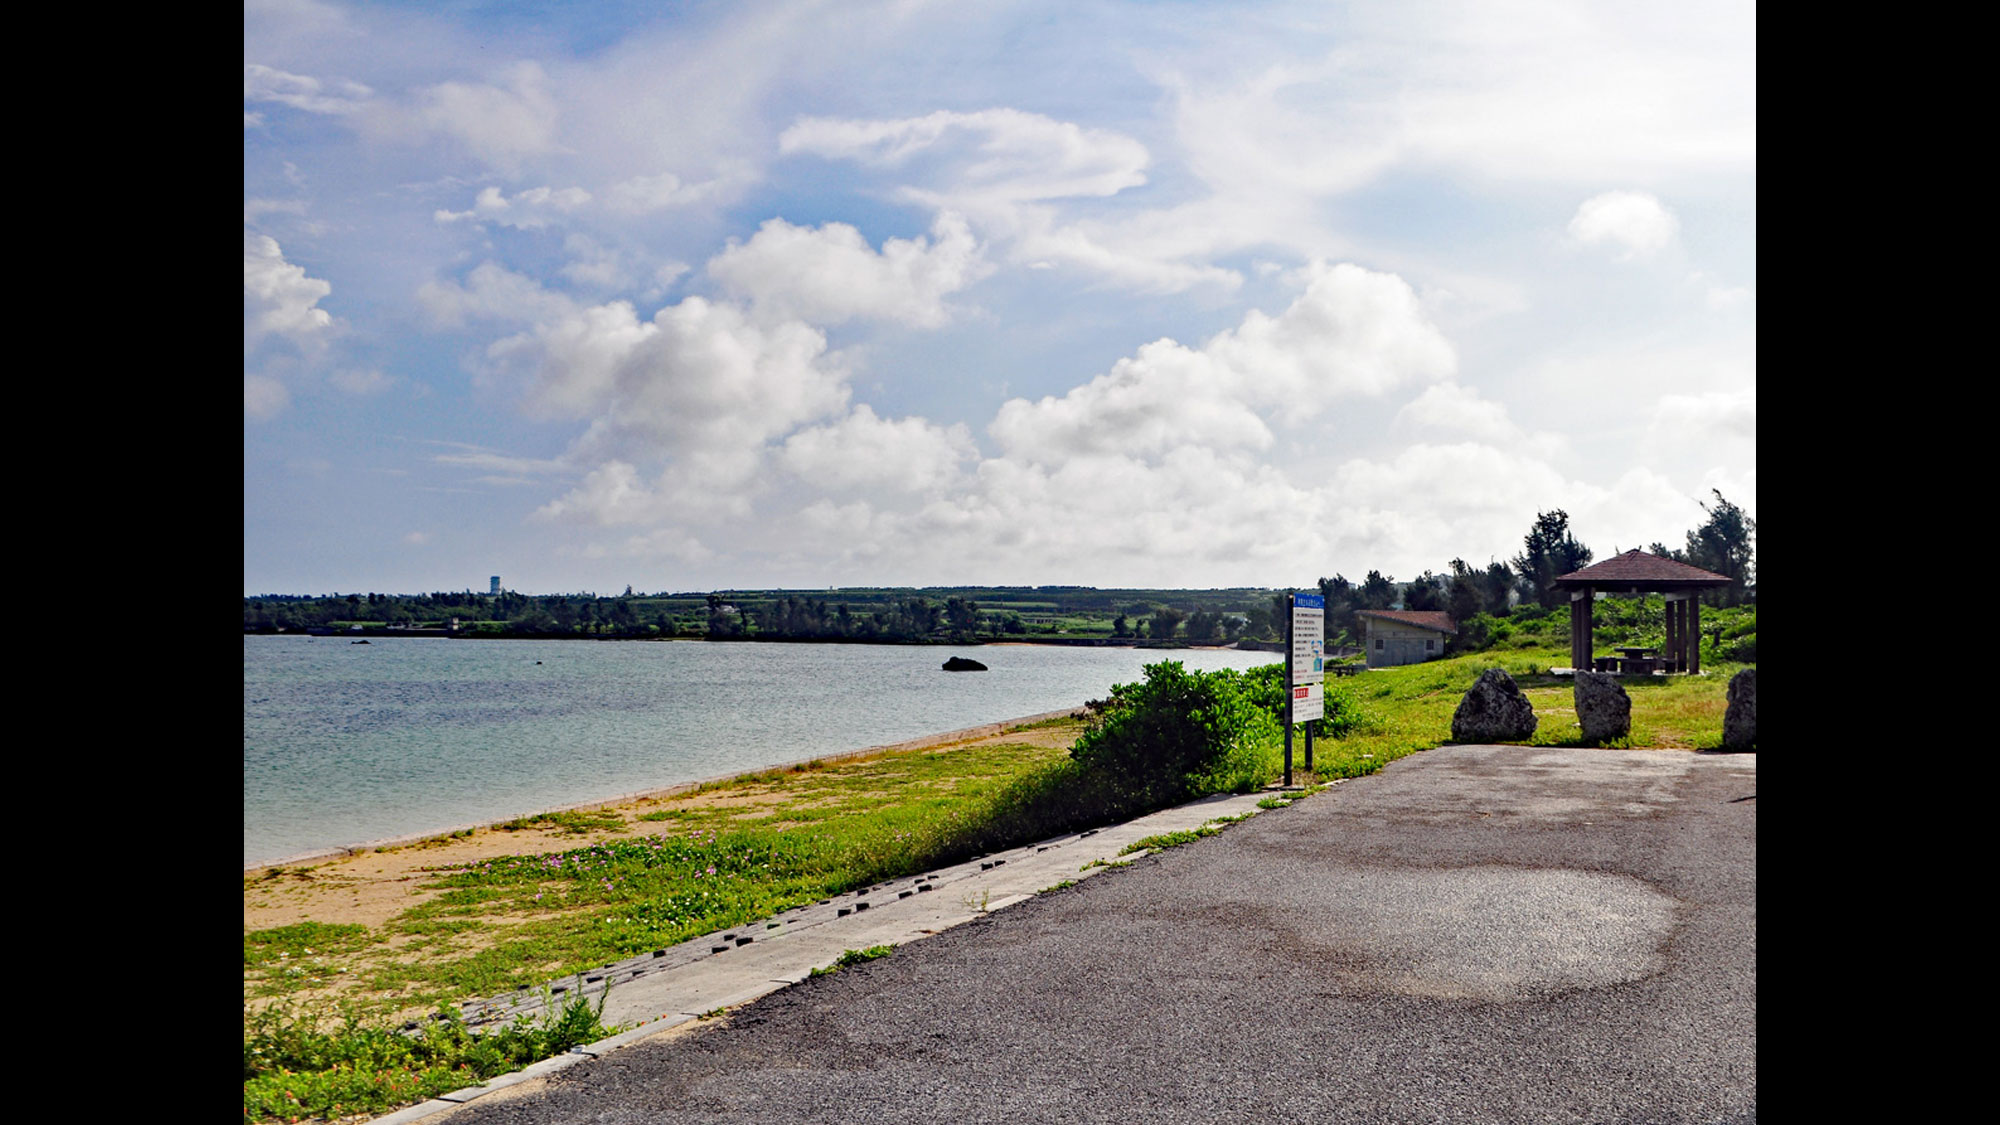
(1474, 934)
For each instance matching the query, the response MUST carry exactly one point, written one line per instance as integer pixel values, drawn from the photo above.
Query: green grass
(517, 921)
(1399, 711)
(574, 822)
(299, 1062)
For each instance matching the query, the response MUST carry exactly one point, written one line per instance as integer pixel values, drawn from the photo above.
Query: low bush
(1177, 735)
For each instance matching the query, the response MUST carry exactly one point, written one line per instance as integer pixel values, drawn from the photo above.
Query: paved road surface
(1476, 934)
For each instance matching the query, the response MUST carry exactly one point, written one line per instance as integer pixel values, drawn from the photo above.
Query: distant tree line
(1475, 597)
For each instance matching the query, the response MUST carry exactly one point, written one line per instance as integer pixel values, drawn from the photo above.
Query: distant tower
(496, 585)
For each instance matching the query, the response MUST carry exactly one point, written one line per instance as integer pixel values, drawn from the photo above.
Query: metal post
(1288, 687)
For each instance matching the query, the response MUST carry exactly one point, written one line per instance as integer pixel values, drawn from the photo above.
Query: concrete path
(1478, 933)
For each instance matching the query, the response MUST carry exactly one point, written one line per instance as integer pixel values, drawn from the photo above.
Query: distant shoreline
(386, 633)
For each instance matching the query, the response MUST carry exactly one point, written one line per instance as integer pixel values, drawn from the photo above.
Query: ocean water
(346, 743)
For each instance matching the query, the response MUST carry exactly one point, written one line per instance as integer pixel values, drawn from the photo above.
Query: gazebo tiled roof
(1421, 618)
(1641, 570)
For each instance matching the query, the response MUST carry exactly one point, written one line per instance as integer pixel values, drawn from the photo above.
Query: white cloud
(498, 124)
(476, 458)
(263, 396)
(863, 451)
(1634, 222)
(264, 84)
(278, 297)
(356, 381)
(1001, 169)
(830, 275)
(995, 154)
(1352, 332)
(1453, 409)
(610, 494)
(1730, 298)
(701, 387)
(491, 292)
(416, 539)
(525, 210)
(1705, 416)
(639, 195)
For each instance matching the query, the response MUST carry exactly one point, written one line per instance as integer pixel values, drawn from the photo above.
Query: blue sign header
(1309, 601)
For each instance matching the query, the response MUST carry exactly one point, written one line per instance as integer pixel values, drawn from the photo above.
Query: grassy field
(533, 900)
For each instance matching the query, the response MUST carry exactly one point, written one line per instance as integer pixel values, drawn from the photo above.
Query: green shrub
(1267, 689)
(1175, 736)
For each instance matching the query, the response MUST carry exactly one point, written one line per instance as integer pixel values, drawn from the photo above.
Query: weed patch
(574, 822)
(852, 957)
(1166, 840)
(306, 1062)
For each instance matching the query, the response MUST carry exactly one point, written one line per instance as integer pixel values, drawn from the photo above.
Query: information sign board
(1308, 703)
(1308, 639)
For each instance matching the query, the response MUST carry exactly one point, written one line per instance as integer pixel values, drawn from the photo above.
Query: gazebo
(1638, 572)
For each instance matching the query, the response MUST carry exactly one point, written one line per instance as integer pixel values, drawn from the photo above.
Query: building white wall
(1391, 644)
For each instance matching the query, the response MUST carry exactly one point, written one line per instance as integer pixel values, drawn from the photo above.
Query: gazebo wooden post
(1693, 625)
(1675, 656)
(1580, 627)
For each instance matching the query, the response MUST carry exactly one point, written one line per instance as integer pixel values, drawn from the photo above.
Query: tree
(1496, 584)
(1203, 624)
(1165, 621)
(1427, 592)
(963, 616)
(1464, 598)
(1378, 591)
(1339, 620)
(1551, 552)
(1727, 545)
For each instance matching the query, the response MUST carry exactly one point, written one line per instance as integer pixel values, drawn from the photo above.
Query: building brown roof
(1639, 569)
(1421, 618)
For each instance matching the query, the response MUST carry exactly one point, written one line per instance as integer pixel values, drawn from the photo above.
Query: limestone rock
(961, 664)
(1739, 722)
(1493, 711)
(1602, 707)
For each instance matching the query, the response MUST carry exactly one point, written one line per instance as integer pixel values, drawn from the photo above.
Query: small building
(1404, 636)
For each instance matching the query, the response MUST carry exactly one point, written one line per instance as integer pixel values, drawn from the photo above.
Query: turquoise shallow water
(345, 743)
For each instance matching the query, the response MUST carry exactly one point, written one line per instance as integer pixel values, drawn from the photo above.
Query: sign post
(1305, 670)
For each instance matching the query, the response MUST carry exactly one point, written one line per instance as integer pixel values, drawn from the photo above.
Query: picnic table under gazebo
(1640, 572)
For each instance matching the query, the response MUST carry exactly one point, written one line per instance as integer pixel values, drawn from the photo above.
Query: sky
(793, 295)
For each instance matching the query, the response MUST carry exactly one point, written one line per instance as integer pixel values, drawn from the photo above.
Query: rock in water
(1602, 707)
(1493, 711)
(1739, 722)
(961, 664)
